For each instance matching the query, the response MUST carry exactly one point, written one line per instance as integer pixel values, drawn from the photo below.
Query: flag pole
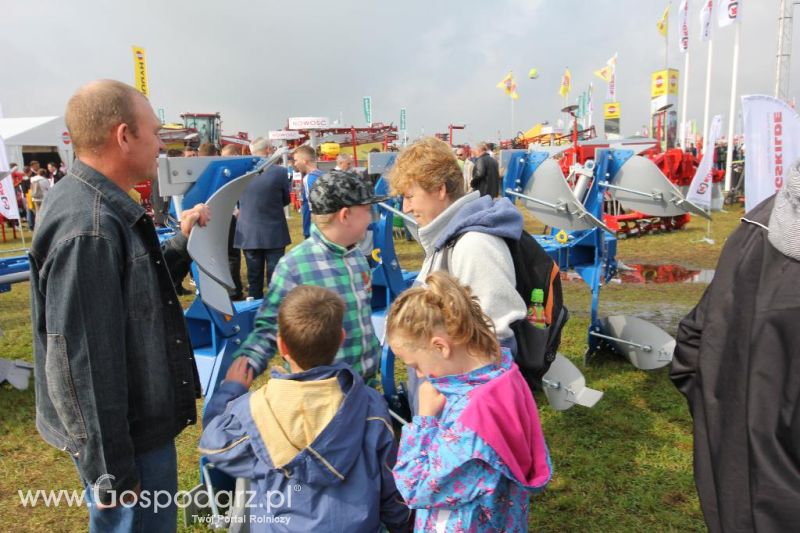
(685, 99)
(708, 95)
(707, 238)
(513, 133)
(731, 114)
(666, 44)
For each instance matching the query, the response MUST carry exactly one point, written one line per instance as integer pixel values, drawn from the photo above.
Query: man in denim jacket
(115, 375)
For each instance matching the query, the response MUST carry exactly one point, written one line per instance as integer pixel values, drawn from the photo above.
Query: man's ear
(121, 134)
(343, 215)
(344, 335)
(442, 192)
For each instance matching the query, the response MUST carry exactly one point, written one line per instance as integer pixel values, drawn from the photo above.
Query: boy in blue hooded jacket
(316, 443)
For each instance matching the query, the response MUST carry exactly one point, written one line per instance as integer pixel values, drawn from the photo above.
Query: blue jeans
(255, 261)
(158, 471)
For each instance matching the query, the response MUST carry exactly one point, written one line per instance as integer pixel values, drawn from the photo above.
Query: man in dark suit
(261, 230)
(486, 174)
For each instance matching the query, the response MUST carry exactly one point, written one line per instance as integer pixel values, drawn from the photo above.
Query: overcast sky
(260, 62)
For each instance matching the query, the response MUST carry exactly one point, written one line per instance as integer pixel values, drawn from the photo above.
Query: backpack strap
(447, 252)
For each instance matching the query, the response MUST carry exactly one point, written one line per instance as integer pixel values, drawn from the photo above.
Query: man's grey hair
(260, 146)
(341, 158)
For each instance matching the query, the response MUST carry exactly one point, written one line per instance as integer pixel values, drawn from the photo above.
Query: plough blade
(548, 185)
(565, 386)
(694, 209)
(208, 245)
(646, 346)
(214, 294)
(659, 196)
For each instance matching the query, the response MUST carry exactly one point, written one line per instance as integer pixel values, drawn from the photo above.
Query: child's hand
(240, 372)
(431, 402)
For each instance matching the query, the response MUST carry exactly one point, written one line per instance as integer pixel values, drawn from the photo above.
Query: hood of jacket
(329, 450)
(472, 212)
(503, 413)
(784, 222)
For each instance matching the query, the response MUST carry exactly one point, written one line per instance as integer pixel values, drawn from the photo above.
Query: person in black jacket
(54, 173)
(486, 174)
(738, 364)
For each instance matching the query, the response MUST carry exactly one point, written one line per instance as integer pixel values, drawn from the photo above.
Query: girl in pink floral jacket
(470, 459)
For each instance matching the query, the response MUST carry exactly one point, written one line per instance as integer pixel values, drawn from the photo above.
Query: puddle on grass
(644, 273)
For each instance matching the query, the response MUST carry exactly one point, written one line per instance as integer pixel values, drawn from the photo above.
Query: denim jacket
(114, 369)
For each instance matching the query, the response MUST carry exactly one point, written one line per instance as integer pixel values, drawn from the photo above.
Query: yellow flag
(140, 70)
(509, 86)
(662, 24)
(604, 73)
(607, 72)
(566, 84)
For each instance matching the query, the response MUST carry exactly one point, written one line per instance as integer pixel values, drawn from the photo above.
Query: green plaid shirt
(318, 261)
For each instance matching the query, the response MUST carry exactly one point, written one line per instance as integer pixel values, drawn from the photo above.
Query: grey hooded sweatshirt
(480, 258)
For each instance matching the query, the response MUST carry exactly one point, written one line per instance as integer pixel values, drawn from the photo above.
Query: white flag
(772, 134)
(683, 17)
(611, 89)
(700, 188)
(8, 197)
(705, 21)
(728, 12)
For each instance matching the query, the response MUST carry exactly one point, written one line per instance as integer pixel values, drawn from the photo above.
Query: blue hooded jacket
(342, 481)
(484, 215)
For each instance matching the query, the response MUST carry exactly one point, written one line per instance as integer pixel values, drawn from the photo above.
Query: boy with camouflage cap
(341, 211)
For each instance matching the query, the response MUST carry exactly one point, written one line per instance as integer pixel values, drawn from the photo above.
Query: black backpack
(533, 269)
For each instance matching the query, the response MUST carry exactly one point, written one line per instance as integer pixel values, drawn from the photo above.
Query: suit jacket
(262, 222)
(486, 176)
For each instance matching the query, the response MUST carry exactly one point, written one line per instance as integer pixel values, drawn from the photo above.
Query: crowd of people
(31, 185)
(97, 267)
(116, 380)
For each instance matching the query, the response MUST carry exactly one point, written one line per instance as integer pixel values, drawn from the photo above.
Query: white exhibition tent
(34, 131)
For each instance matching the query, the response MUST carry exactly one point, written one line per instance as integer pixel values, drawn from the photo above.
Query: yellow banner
(566, 84)
(663, 23)
(140, 70)
(672, 82)
(611, 110)
(605, 73)
(664, 82)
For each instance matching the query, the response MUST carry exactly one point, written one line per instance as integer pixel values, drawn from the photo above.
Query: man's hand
(240, 372)
(199, 214)
(431, 401)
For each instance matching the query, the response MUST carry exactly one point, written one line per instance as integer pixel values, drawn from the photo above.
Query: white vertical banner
(700, 188)
(8, 198)
(683, 18)
(772, 134)
(683, 46)
(611, 89)
(728, 12)
(705, 20)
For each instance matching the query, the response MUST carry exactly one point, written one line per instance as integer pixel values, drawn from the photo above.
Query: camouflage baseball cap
(338, 189)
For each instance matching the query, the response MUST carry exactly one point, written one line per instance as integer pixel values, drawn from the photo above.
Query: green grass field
(625, 465)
